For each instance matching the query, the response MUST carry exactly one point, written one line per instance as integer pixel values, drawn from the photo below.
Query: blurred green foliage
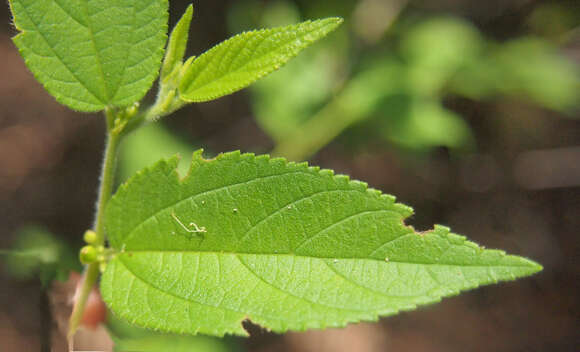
(147, 145)
(129, 338)
(387, 82)
(38, 253)
(527, 67)
(397, 84)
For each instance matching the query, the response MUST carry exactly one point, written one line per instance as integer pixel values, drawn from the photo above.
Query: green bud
(88, 255)
(90, 237)
(132, 110)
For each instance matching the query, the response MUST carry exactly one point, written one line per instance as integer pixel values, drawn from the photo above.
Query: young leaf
(177, 44)
(244, 58)
(92, 54)
(285, 245)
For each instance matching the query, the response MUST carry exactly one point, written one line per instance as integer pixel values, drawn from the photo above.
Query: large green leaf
(285, 245)
(246, 57)
(92, 54)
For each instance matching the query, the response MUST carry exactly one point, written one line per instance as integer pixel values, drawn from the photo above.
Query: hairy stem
(106, 187)
(91, 272)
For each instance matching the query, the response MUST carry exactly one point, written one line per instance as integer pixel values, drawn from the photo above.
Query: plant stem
(106, 187)
(87, 281)
(105, 190)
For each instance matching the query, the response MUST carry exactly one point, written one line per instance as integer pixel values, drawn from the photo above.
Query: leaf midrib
(303, 299)
(128, 53)
(97, 56)
(163, 251)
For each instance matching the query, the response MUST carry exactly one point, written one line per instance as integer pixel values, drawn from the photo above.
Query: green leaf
(92, 54)
(177, 44)
(246, 57)
(285, 245)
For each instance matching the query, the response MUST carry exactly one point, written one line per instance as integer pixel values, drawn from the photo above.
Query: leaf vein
(350, 280)
(97, 55)
(259, 277)
(327, 228)
(74, 18)
(371, 254)
(285, 206)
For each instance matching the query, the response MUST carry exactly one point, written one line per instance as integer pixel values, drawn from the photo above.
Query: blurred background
(466, 110)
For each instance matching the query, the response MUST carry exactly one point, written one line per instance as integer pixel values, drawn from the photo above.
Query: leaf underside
(287, 246)
(92, 54)
(241, 60)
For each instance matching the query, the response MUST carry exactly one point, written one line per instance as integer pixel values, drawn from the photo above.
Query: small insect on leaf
(191, 228)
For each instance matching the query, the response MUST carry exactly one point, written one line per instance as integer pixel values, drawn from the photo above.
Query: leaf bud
(88, 255)
(90, 237)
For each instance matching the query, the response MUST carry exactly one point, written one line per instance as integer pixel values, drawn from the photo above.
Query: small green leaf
(177, 44)
(285, 245)
(247, 57)
(92, 54)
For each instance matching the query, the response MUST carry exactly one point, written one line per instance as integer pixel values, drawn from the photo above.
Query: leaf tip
(336, 20)
(189, 11)
(535, 267)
